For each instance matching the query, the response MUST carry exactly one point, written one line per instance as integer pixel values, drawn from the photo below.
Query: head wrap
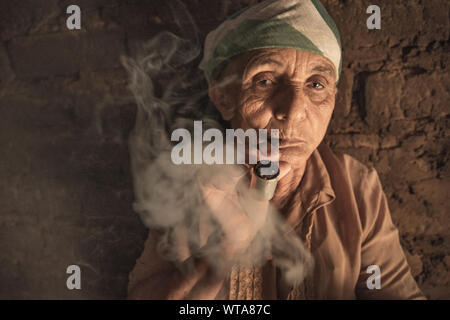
(296, 24)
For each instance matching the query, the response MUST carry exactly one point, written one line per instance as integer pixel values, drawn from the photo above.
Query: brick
(65, 54)
(6, 73)
(388, 142)
(371, 141)
(18, 18)
(435, 25)
(382, 98)
(425, 94)
(406, 167)
(344, 97)
(415, 262)
(401, 19)
(436, 192)
(339, 141)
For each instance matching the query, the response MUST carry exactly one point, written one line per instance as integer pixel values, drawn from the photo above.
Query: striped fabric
(297, 24)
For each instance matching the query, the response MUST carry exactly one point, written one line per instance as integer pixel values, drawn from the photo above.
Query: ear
(215, 92)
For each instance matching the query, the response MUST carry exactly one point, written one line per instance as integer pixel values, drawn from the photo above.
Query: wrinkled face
(286, 89)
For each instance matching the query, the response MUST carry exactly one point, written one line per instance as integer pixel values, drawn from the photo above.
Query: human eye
(317, 85)
(264, 80)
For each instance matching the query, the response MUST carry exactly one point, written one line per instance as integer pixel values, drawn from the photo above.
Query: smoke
(171, 93)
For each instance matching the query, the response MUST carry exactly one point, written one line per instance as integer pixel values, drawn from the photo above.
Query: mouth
(287, 143)
(283, 143)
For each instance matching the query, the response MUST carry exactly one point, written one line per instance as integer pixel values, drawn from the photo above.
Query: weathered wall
(65, 114)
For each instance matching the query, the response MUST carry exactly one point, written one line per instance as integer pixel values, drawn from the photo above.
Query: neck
(287, 186)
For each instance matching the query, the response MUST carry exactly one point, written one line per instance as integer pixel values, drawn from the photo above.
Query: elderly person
(284, 59)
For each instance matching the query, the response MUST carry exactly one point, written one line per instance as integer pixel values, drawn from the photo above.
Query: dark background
(65, 115)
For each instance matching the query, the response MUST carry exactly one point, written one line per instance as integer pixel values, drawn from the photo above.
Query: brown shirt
(342, 212)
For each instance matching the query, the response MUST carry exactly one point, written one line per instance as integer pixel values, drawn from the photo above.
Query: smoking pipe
(265, 179)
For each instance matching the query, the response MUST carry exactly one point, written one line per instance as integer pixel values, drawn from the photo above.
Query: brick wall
(65, 115)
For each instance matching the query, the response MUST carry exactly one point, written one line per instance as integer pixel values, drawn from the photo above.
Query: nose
(290, 104)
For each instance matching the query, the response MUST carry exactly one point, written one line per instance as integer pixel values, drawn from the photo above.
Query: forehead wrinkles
(307, 62)
(267, 57)
(296, 63)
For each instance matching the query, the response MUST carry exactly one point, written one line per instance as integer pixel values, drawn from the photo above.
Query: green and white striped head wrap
(296, 24)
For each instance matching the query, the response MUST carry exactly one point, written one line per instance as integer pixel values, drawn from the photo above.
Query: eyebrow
(260, 61)
(268, 59)
(324, 69)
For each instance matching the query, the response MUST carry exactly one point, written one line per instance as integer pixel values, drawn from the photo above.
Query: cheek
(326, 108)
(321, 112)
(252, 111)
(321, 99)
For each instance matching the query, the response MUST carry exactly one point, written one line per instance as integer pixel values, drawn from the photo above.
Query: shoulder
(356, 183)
(344, 168)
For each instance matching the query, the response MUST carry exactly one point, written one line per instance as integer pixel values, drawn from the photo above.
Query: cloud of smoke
(170, 93)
